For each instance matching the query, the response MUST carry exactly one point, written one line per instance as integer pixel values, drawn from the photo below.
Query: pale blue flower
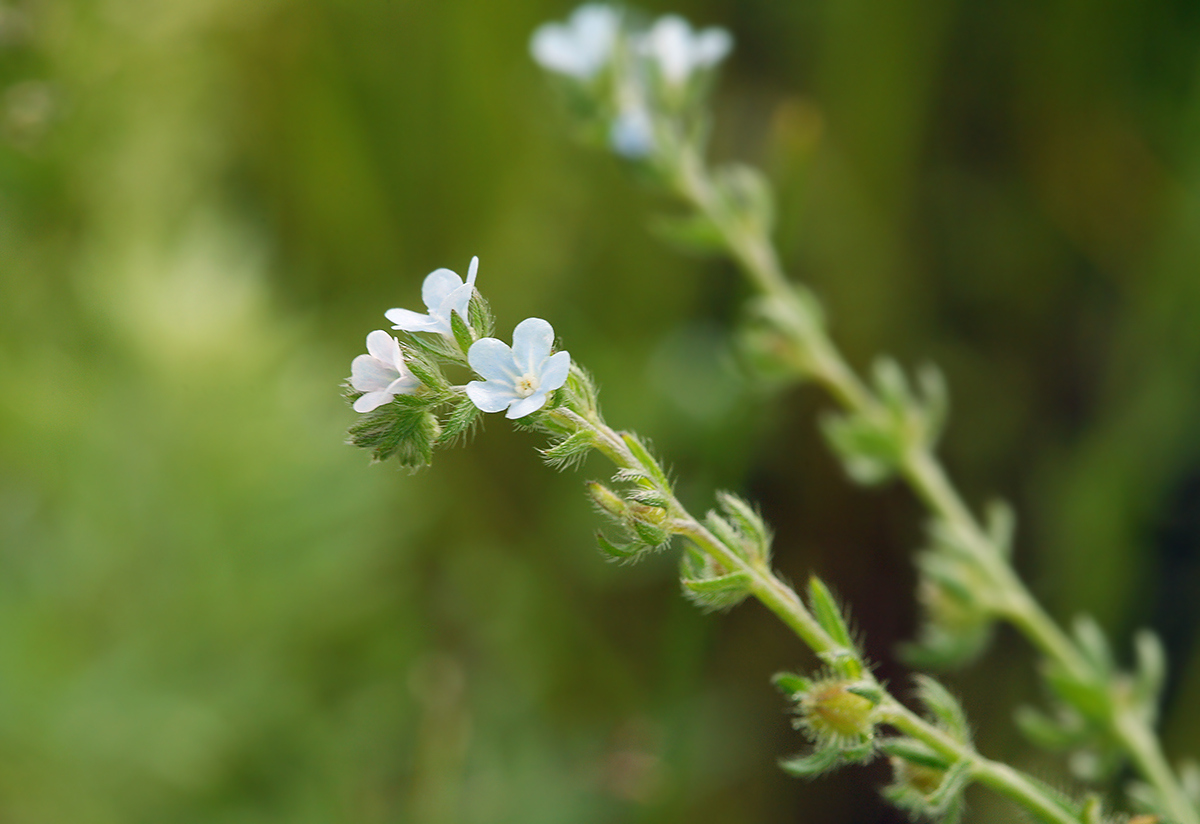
(519, 377)
(381, 373)
(582, 46)
(679, 51)
(632, 132)
(443, 292)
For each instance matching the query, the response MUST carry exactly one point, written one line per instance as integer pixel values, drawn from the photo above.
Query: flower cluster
(640, 81)
(409, 406)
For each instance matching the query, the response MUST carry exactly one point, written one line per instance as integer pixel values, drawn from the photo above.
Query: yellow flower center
(526, 386)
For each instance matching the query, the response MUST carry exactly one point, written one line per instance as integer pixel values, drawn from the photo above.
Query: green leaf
(570, 450)
(725, 533)
(1091, 699)
(403, 428)
(791, 684)
(718, 592)
(827, 612)
(653, 470)
(747, 195)
(756, 536)
(653, 535)
(619, 552)
(581, 389)
(1048, 733)
(869, 451)
(914, 752)
(1093, 644)
(479, 316)
(691, 233)
(1151, 671)
(812, 765)
(462, 331)
(1001, 526)
(459, 423)
(944, 706)
(425, 369)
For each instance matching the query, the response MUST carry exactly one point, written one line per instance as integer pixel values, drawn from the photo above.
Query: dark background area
(212, 610)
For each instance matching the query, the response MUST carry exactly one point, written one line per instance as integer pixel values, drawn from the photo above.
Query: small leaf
(425, 369)
(619, 552)
(462, 331)
(944, 706)
(403, 428)
(1048, 733)
(479, 316)
(747, 195)
(720, 592)
(1151, 671)
(1001, 526)
(647, 461)
(459, 422)
(691, 233)
(812, 765)
(1090, 699)
(915, 752)
(754, 531)
(650, 497)
(653, 535)
(827, 612)
(791, 684)
(1093, 644)
(570, 450)
(952, 786)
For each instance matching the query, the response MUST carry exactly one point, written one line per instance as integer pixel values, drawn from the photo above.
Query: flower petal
(438, 284)
(456, 301)
(403, 385)
(493, 359)
(554, 49)
(554, 371)
(491, 396)
(411, 321)
(369, 374)
(670, 40)
(525, 406)
(472, 271)
(532, 340)
(711, 46)
(382, 346)
(372, 400)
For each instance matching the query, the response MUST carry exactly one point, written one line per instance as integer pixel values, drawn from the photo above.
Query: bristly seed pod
(834, 714)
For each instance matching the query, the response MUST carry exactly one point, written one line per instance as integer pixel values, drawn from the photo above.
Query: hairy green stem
(818, 356)
(781, 599)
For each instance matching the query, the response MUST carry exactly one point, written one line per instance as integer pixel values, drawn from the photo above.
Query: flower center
(526, 385)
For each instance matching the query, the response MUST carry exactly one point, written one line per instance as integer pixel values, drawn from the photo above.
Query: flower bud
(833, 712)
(606, 499)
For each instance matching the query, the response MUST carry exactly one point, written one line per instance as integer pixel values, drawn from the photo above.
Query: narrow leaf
(828, 614)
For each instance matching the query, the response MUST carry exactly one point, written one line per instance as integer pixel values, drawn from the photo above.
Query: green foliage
(828, 614)
(709, 586)
(404, 428)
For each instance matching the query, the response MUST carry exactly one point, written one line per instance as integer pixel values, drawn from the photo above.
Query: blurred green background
(211, 610)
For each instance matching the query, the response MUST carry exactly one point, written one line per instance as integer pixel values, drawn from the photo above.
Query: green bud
(607, 500)
(832, 713)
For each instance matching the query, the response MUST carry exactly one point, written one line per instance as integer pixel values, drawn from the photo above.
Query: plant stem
(782, 600)
(815, 351)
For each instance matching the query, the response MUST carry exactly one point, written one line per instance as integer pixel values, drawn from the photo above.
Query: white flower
(580, 47)
(380, 374)
(679, 51)
(443, 292)
(517, 378)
